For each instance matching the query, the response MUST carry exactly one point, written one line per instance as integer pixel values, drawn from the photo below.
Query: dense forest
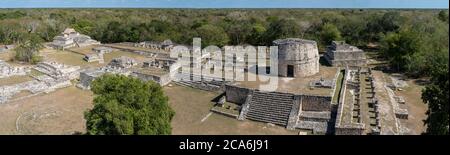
(413, 41)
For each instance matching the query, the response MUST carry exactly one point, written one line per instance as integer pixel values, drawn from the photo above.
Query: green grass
(339, 82)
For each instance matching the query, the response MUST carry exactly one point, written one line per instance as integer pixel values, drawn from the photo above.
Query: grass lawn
(59, 112)
(193, 105)
(14, 80)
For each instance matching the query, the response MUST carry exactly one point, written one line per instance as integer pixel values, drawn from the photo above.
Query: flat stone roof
(293, 41)
(150, 70)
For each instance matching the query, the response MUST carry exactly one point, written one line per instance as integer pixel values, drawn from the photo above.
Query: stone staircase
(270, 107)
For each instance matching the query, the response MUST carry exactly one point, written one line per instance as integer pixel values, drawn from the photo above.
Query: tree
(400, 47)
(436, 96)
(443, 15)
(391, 21)
(281, 28)
(257, 35)
(28, 49)
(329, 33)
(212, 35)
(128, 106)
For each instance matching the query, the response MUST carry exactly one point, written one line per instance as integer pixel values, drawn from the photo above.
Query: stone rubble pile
(7, 70)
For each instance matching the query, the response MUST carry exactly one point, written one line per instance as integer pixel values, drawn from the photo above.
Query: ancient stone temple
(297, 57)
(341, 54)
(70, 38)
(58, 70)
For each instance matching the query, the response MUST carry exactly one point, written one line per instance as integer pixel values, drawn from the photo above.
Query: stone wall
(236, 94)
(41, 84)
(316, 103)
(58, 70)
(341, 54)
(7, 70)
(161, 80)
(350, 130)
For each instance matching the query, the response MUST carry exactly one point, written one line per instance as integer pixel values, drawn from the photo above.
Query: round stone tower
(297, 57)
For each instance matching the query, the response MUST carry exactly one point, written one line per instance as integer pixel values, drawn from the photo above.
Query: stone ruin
(321, 83)
(94, 57)
(163, 63)
(55, 76)
(118, 65)
(58, 70)
(89, 75)
(102, 49)
(351, 115)
(98, 54)
(397, 103)
(40, 84)
(341, 54)
(297, 57)
(165, 45)
(157, 70)
(294, 111)
(70, 38)
(123, 62)
(7, 70)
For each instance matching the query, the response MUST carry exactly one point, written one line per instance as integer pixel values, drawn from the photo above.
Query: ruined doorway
(290, 71)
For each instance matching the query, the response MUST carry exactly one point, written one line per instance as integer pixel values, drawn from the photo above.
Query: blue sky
(224, 3)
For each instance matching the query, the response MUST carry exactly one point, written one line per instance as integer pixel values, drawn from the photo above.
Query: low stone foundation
(7, 70)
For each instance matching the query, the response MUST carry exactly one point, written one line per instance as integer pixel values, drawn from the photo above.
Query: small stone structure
(89, 75)
(123, 62)
(40, 84)
(58, 70)
(149, 71)
(102, 49)
(98, 54)
(94, 57)
(342, 54)
(7, 70)
(165, 45)
(321, 83)
(70, 38)
(297, 57)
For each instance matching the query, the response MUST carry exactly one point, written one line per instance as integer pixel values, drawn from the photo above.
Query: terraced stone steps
(270, 107)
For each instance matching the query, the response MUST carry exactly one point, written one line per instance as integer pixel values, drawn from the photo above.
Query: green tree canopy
(443, 15)
(28, 49)
(128, 106)
(281, 28)
(329, 33)
(212, 35)
(400, 47)
(436, 96)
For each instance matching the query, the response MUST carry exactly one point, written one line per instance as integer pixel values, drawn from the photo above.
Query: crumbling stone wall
(40, 84)
(350, 130)
(161, 80)
(342, 54)
(316, 103)
(7, 70)
(236, 94)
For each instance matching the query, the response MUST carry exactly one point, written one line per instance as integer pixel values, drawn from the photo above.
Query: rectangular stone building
(341, 54)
